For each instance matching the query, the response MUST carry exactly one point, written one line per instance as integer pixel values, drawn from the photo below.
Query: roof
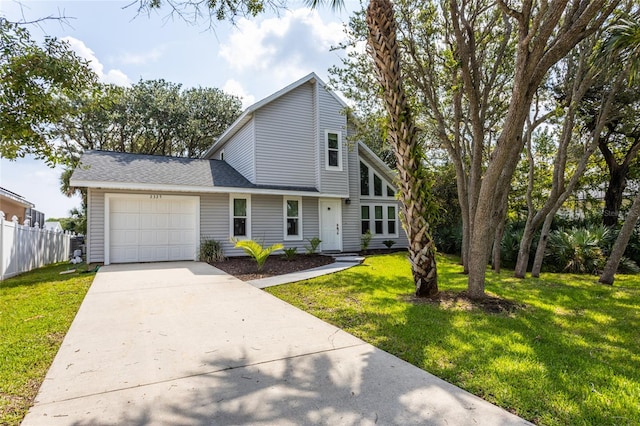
(107, 169)
(16, 197)
(248, 113)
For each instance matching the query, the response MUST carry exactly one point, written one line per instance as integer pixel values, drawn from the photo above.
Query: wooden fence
(23, 247)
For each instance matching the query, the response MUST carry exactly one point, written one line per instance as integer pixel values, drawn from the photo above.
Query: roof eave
(128, 186)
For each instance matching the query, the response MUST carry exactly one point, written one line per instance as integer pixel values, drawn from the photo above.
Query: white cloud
(113, 76)
(141, 58)
(234, 87)
(287, 47)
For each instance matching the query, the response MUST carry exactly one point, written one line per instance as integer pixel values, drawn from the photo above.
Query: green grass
(571, 356)
(36, 310)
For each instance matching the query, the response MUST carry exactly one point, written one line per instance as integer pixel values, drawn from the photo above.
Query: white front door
(331, 225)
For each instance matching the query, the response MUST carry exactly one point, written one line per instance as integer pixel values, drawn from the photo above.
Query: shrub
(366, 240)
(256, 251)
(210, 251)
(448, 239)
(577, 250)
(314, 243)
(388, 243)
(510, 245)
(628, 266)
(290, 253)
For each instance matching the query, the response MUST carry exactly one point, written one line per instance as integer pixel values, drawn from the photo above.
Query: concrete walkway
(186, 344)
(341, 263)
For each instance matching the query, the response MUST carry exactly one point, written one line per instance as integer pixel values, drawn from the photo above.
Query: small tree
(257, 252)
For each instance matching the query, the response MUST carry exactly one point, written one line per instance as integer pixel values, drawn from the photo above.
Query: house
(53, 226)
(284, 172)
(12, 204)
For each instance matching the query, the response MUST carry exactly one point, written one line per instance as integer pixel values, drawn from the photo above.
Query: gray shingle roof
(119, 167)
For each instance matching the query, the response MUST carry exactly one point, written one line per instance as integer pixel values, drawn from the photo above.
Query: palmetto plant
(256, 251)
(578, 250)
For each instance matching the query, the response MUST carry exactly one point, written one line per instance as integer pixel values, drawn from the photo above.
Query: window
(240, 216)
(292, 218)
(390, 192)
(391, 220)
(333, 157)
(222, 155)
(377, 185)
(364, 179)
(383, 223)
(369, 178)
(364, 214)
(379, 220)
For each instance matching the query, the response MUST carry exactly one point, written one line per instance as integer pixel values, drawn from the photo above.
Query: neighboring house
(282, 172)
(12, 204)
(53, 226)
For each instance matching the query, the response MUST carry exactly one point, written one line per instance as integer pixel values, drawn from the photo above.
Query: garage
(150, 228)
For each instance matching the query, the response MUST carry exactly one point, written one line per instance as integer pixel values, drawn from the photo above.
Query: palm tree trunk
(413, 181)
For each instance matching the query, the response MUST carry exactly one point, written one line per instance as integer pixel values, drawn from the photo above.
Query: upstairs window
(364, 179)
(293, 218)
(333, 151)
(390, 192)
(377, 185)
(372, 184)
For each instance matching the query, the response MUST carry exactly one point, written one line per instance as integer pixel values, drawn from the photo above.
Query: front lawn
(569, 356)
(36, 310)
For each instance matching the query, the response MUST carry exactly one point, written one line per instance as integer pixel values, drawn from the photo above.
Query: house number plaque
(155, 196)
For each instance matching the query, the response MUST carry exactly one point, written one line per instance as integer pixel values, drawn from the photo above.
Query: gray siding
(310, 221)
(331, 117)
(95, 226)
(284, 132)
(214, 219)
(239, 151)
(351, 212)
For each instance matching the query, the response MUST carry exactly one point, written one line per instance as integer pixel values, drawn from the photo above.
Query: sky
(251, 59)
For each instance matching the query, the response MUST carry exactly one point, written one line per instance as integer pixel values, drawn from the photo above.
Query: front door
(331, 225)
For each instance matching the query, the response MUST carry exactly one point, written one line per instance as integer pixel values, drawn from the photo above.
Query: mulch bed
(245, 268)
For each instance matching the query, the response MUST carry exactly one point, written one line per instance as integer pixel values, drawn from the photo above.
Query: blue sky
(251, 59)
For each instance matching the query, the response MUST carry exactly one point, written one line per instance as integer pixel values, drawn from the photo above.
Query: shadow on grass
(569, 357)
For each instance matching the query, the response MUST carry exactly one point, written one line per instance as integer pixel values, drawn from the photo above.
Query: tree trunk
(542, 245)
(412, 177)
(613, 196)
(525, 248)
(497, 247)
(620, 245)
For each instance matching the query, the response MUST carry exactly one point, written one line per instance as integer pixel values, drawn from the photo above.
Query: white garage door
(151, 228)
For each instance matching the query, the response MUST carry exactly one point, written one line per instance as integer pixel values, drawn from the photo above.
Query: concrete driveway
(186, 344)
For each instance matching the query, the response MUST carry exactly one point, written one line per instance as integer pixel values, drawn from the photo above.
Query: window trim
(326, 150)
(385, 218)
(287, 237)
(247, 197)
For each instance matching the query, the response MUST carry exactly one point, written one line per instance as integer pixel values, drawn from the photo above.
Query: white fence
(23, 247)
